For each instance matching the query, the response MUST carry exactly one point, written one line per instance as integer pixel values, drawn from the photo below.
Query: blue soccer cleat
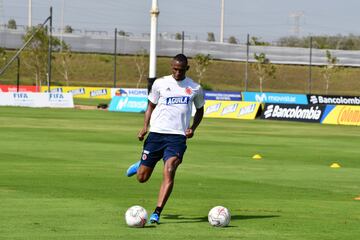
(132, 170)
(154, 218)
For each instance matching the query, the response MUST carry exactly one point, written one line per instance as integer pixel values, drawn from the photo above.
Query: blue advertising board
(224, 96)
(268, 97)
(128, 104)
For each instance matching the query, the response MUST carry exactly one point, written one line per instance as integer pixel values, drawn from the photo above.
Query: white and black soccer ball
(136, 216)
(219, 216)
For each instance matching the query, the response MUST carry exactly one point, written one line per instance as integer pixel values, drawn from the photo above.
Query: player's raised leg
(132, 170)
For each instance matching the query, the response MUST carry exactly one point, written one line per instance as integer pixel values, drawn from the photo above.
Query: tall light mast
(154, 13)
(222, 21)
(30, 14)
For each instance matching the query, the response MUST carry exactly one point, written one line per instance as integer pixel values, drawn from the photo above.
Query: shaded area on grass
(205, 218)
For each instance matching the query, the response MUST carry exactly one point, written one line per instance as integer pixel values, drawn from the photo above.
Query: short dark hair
(181, 58)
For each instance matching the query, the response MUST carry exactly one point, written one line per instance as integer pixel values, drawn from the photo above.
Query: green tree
(3, 56)
(36, 54)
(232, 40)
(263, 69)
(122, 33)
(201, 64)
(211, 37)
(178, 36)
(68, 29)
(141, 61)
(63, 62)
(256, 42)
(329, 69)
(12, 24)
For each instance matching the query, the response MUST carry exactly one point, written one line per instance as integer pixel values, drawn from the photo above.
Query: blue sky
(266, 19)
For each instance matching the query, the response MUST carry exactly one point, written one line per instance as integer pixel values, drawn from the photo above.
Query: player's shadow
(183, 219)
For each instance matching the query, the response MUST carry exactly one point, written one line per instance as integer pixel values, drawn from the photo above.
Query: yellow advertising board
(231, 109)
(342, 114)
(82, 92)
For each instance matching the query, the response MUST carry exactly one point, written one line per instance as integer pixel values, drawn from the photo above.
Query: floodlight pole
(222, 21)
(310, 65)
(30, 14)
(154, 12)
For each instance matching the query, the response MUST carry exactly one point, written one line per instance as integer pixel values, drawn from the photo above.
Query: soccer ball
(219, 216)
(136, 216)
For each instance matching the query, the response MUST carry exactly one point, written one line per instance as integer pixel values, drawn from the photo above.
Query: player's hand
(142, 134)
(189, 133)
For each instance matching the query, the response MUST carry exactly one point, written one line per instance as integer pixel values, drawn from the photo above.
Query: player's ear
(187, 68)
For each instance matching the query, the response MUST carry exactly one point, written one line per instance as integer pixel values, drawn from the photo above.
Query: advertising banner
(128, 104)
(130, 92)
(267, 97)
(223, 96)
(342, 115)
(30, 99)
(82, 92)
(13, 88)
(293, 112)
(230, 109)
(333, 100)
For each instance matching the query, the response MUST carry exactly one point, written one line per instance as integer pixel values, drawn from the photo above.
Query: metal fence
(97, 43)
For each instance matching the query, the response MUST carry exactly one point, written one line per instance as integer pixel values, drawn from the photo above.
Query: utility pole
(30, 14)
(222, 21)
(62, 25)
(154, 13)
(50, 49)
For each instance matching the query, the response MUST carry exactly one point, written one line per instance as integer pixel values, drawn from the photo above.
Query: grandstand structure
(100, 43)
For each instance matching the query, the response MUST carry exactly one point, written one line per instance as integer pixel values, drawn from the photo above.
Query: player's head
(179, 66)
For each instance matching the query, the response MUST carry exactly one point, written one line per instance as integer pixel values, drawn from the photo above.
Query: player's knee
(171, 168)
(142, 178)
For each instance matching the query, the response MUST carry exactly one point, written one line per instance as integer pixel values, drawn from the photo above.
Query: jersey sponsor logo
(177, 100)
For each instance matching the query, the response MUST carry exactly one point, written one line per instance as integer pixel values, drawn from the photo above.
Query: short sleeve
(199, 99)
(154, 94)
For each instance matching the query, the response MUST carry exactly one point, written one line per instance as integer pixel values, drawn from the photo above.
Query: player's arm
(147, 116)
(197, 120)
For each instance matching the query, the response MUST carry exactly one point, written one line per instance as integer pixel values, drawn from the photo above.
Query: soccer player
(168, 113)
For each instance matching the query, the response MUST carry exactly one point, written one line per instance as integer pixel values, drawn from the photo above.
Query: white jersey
(174, 101)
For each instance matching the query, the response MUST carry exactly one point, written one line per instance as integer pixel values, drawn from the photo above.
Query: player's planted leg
(166, 187)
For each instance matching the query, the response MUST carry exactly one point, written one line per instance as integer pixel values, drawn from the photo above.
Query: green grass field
(62, 177)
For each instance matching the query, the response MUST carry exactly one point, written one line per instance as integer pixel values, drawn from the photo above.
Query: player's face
(178, 70)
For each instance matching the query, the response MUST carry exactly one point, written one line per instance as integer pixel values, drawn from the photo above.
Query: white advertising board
(32, 99)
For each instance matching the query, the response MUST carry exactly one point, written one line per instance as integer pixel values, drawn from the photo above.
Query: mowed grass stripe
(62, 177)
